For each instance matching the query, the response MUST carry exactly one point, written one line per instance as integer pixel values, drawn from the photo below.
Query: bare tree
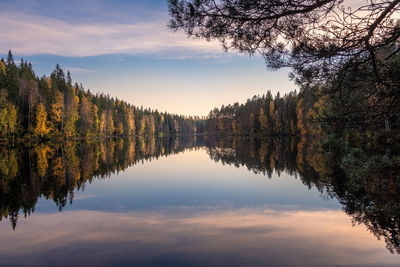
(29, 94)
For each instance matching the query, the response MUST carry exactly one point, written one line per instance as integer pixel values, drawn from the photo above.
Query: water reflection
(241, 237)
(58, 171)
(55, 170)
(370, 195)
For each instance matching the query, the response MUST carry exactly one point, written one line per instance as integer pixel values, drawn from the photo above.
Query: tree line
(54, 106)
(264, 116)
(293, 114)
(360, 110)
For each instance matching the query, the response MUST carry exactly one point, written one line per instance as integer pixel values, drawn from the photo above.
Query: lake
(199, 201)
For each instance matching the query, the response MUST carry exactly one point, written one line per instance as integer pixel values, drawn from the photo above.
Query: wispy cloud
(29, 34)
(81, 70)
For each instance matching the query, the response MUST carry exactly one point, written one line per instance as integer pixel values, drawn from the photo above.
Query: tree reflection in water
(368, 186)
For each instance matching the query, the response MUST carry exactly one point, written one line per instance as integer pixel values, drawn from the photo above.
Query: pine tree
(12, 79)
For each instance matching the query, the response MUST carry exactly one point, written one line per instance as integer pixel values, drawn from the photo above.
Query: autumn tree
(86, 117)
(131, 124)
(262, 117)
(42, 164)
(3, 75)
(8, 115)
(107, 123)
(71, 116)
(54, 107)
(56, 110)
(41, 126)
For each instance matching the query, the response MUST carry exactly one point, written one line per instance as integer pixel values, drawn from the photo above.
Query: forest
(53, 107)
(38, 108)
(312, 111)
(266, 116)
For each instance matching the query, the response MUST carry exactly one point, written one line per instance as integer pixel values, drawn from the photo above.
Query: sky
(124, 48)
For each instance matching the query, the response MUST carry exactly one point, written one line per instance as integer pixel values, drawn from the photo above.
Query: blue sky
(124, 48)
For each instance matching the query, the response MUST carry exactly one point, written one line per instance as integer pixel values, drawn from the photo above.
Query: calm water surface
(194, 202)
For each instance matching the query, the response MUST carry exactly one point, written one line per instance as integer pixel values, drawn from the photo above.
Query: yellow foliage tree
(102, 123)
(3, 68)
(41, 128)
(131, 122)
(12, 119)
(234, 128)
(152, 125)
(3, 121)
(71, 116)
(56, 111)
(41, 156)
(8, 120)
(262, 117)
(86, 117)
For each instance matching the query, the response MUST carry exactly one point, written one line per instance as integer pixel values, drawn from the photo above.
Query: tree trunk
(387, 125)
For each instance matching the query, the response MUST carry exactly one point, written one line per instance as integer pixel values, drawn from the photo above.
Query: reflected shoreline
(56, 171)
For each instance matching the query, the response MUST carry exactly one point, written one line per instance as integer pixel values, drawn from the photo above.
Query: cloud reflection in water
(211, 237)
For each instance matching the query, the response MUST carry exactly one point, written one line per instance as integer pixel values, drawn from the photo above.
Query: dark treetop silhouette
(352, 51)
